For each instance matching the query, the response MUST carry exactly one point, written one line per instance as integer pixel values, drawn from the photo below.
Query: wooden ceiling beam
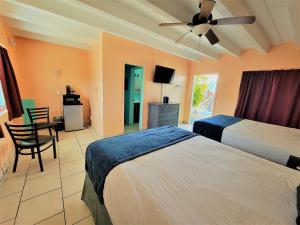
(238, 8)
(85, 14)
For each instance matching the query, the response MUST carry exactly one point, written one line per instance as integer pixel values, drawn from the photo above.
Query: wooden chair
(38, 114)
(26, 137)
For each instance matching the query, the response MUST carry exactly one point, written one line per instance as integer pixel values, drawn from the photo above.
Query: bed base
(89, 196)
(293, 162)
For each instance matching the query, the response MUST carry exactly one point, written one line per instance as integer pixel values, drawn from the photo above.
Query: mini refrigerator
(73, 115)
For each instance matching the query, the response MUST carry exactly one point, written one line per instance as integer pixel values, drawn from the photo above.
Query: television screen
(163, 75)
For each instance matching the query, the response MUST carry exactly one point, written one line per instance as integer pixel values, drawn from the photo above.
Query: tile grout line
(75, 174)
(5, 196)
(81, 190)
(42, 176)
(22, 191)
(62, 197)
(72, 174)
(81, 151)
(79, 145)
(58, 154)
(62, 191)
(40, 194)
(70, 162)
(7, 220)
(81, 219)
(47, 218)
(83, 158)
(72, 194)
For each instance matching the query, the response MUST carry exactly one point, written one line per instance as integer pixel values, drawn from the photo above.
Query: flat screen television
(163, 75)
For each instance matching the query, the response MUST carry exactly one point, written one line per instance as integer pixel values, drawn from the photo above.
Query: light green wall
(27, 103)
(126, 95)
(134, 93)
(131, 95)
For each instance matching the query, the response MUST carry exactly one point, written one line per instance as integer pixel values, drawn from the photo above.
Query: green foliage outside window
(199, 90)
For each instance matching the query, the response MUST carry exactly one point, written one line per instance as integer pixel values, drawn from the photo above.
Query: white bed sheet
(201, 182)
(272, 142)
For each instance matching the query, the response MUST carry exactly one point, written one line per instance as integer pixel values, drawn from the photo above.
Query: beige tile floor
(53, 196)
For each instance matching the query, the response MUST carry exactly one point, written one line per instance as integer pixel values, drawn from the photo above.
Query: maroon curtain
(10, 87)
(270, 97)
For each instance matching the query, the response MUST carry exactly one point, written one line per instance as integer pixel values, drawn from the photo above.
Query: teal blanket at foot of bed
(213, 127)
(103, 155)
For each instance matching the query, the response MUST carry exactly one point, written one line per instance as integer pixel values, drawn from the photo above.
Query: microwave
(71, 100)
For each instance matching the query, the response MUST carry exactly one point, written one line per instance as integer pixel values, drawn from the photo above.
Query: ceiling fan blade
(234, 20)
(181, 37)
(206, 8)
(173, 24)
(212, 37)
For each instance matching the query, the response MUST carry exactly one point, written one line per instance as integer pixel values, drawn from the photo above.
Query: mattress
(272, 142)
(200, 181)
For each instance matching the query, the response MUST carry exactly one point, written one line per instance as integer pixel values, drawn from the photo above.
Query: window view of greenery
(203, 96)
(2, 101)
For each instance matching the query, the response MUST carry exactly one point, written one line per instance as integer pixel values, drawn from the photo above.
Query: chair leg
(40, 159)
(54, 148)
(56, 131)
(32, 153)
(16, 161)
(50, 131)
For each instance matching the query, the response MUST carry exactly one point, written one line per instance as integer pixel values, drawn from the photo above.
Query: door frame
(192, 96)
(141, 92)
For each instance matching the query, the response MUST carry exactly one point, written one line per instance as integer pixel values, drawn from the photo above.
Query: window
(2, 101)
(13, 102)
(204, 93)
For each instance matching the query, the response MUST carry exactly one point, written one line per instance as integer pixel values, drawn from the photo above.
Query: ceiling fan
(202, 22)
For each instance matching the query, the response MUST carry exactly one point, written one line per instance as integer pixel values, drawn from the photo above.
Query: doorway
(204, 93)
(133, 98)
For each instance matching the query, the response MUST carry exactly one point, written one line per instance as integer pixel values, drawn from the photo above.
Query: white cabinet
(73, 115)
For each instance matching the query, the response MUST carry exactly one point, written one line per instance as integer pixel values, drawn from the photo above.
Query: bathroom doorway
(133, 98)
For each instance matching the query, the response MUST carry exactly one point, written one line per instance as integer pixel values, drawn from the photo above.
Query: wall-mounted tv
(163, 75)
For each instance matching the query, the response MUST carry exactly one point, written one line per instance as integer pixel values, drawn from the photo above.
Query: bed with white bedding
(276, 143)
(198, 181)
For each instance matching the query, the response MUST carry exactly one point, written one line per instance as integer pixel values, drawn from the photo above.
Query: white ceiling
(77, 23)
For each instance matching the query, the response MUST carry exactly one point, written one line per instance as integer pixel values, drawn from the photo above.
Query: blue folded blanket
(103, 155)
(213, 127)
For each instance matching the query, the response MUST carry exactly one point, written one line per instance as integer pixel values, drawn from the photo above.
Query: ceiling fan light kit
(203, 21)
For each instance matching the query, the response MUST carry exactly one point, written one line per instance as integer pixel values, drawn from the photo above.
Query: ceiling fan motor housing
(197, 20)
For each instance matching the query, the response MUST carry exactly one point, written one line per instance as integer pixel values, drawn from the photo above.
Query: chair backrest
(19, 133)
(36, 114)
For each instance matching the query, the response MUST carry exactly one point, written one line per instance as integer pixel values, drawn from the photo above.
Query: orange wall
(116, 53)
(38, 80)
(230, 68)
(96, 86)
(6, 146)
